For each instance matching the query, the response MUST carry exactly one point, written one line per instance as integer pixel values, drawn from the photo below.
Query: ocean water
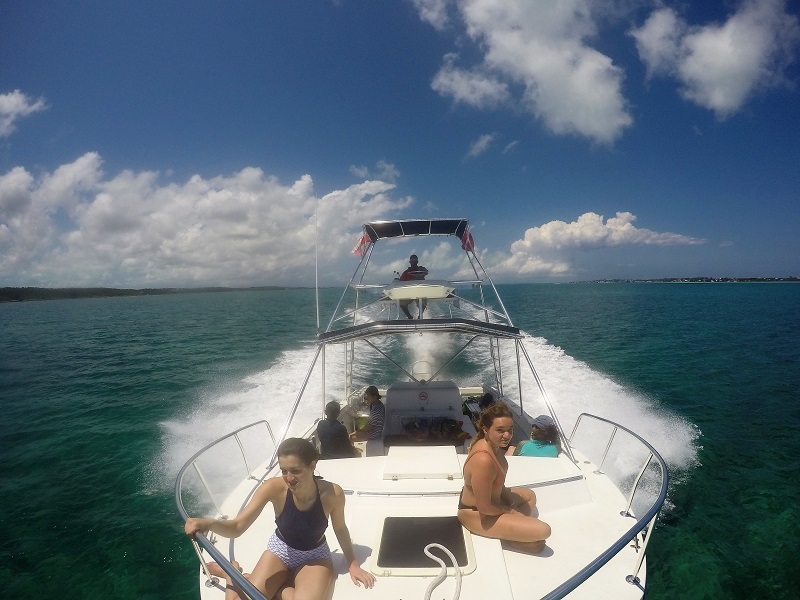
(104, 399)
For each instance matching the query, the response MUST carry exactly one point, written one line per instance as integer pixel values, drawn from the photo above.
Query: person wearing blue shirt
(544, 440)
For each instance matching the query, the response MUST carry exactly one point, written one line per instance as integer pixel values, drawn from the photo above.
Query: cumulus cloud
(589, 231)
(78, 226)
(721, 66)
(15, 106)
(546, 250)
(541, 48)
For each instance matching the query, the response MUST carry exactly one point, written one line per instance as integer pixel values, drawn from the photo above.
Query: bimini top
(378, 230)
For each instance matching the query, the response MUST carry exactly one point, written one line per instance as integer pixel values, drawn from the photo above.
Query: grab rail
(646, 520)
(200, 540)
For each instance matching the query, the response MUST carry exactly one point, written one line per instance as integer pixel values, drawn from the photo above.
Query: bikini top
(500, 478)
(302, 529)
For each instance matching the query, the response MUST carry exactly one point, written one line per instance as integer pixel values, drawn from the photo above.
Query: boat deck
(569, 499)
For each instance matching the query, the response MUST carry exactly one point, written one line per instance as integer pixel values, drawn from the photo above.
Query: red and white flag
(467, 243)
(362, 245)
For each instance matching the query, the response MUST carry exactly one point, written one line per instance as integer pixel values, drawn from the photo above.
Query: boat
(601, 495)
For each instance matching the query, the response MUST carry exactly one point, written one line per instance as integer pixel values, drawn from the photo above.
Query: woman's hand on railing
(194, 525)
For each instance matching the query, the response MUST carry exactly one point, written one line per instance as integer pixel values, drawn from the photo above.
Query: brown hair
(497, 410)
(302, 449)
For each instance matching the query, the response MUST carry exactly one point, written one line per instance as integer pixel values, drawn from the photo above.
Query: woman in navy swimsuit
(298, 547)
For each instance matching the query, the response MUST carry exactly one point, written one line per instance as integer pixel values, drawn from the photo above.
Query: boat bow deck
(566, 493)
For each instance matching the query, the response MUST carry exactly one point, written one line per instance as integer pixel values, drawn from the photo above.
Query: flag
(362, 245)
(467, 243)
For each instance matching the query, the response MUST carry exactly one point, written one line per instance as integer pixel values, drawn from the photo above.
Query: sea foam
(573, 387)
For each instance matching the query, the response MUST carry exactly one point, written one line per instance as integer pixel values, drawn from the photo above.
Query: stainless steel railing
(229, 456)
(647, 520)
(607, 449)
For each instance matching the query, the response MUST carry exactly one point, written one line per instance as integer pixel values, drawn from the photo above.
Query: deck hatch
(422, 462)
(403, 540)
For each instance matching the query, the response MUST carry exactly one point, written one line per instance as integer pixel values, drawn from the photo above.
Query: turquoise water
(104, 399)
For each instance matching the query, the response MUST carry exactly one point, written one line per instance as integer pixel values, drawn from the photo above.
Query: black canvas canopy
(390, 229)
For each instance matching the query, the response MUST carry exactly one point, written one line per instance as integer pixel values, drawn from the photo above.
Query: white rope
(443, 574)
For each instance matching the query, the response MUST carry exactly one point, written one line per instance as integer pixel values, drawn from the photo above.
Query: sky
(187, 144)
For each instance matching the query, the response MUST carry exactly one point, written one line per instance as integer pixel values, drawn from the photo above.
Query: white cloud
(589, 231)
(510, 146)
(541, 48)
(430, 207)
(720, 67)
(385, 171)
(15, 106)
(78, 227)
(480, 145)
(547, 250)
(658, 41)
(433, 12)
(477, 87)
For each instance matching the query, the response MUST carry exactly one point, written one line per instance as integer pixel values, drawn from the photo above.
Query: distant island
(699, 280)
(21, 294)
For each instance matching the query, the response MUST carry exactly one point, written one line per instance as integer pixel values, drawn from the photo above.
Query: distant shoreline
(700, 280)
(24, 294)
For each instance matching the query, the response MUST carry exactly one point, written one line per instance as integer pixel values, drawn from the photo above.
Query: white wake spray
(572, 386)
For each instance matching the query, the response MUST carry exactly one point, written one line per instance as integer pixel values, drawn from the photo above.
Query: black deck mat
(404, 538)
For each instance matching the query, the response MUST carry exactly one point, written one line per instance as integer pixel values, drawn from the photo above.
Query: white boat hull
(582, 507)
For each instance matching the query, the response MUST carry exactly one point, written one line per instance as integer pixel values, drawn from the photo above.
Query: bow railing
(616, 454)
(211, 474)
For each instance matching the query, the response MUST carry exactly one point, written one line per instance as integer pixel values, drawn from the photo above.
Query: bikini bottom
(461, 505)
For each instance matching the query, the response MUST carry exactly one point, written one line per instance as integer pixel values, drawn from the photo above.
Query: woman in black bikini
(298, 547)
(486, 507)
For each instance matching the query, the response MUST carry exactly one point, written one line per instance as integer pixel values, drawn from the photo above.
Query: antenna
(316, 263)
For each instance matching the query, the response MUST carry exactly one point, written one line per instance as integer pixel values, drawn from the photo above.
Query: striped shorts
(294, 559)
